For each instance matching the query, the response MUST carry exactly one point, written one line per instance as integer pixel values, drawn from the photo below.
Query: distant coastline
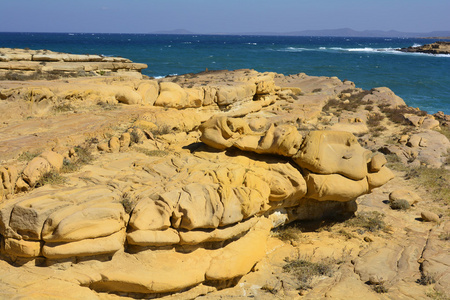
(342, 32)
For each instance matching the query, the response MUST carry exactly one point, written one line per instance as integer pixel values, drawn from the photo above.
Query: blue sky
(228, 16)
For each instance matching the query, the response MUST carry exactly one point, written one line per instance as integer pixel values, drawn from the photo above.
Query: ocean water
(422, 80)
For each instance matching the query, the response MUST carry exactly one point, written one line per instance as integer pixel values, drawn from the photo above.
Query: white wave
(159, 77)
(416, 45)
(251, 43)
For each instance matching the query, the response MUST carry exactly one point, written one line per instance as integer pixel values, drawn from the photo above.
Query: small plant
(107, 106)
(445, 236)
(51, 177)
(426, 280)
(127, 203)
(158, 153)
(83, 157)
(288, 233)
(380, 288)
(401, 204)
(371, 221)
(437, 295)
(374, 120)
(305, 271)
(63, 107)
(317, 90)
(27, 156)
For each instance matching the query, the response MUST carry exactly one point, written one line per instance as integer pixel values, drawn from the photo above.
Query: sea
(422, 80)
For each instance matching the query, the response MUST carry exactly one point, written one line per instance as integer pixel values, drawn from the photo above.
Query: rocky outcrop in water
(434, 48)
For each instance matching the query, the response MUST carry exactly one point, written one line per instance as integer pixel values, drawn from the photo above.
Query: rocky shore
(434, 48)
(218, 184)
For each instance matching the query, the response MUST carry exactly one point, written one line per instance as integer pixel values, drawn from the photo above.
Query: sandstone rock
(128, 96)
(55, 159)
(34, 170)
(329, 152)
(125, 140)
(153, 237)
(114, 144)
(88, 247)
(334, 187)
(151, 214)
(103, 147)
(428, 216)
(377, 162)
(379, 178)
(28, 216)
(237, 91)
(172, 95)
(149, 91)
(22, 248)
(223, 132)
(410, 196)
(91, 222)
(237, 258)
(154, 273)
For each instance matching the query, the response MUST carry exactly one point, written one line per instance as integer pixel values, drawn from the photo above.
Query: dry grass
(27, 155)
(304, 270)
(51, 177)
(436, 182)
(84, 157)
(370, 221)
(158, 153)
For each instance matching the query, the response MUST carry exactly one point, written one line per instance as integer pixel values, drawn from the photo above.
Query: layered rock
(20, 64)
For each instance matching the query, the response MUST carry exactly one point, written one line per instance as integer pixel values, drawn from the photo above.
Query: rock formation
(434, 48)
(173, 186)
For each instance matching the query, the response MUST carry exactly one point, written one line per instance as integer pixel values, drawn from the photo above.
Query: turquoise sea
(422, 80)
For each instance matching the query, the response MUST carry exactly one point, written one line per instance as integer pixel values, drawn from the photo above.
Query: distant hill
(175, 31)
(341, 32)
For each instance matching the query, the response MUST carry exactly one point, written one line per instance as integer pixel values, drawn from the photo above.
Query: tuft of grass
(107, 106)
(400, 204)
(426, 280)
(371, 221)
(436, 295)
(435, 181)
(396, 114)
(27, 156)
(305, 270)
(51, 177)
(84, 157)
(63, 107)
(127, 203)
(445, 236)
(318, 90)
(380, 288)
(288, 233)
(158, 153)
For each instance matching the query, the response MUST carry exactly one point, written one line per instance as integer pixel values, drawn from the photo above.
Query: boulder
(55, 159)
(335, 187)
(406, 195)
(428, 216)
(377, 162)
(172, 95)
(333, 152)
(34, 170)
(149, 91)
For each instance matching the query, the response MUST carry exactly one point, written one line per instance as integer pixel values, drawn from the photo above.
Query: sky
(222, 16)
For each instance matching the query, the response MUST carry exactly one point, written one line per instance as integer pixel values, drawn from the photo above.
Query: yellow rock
(331, 152)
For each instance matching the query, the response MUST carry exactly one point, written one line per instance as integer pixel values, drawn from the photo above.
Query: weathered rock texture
(20, 64)
(174, 185)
